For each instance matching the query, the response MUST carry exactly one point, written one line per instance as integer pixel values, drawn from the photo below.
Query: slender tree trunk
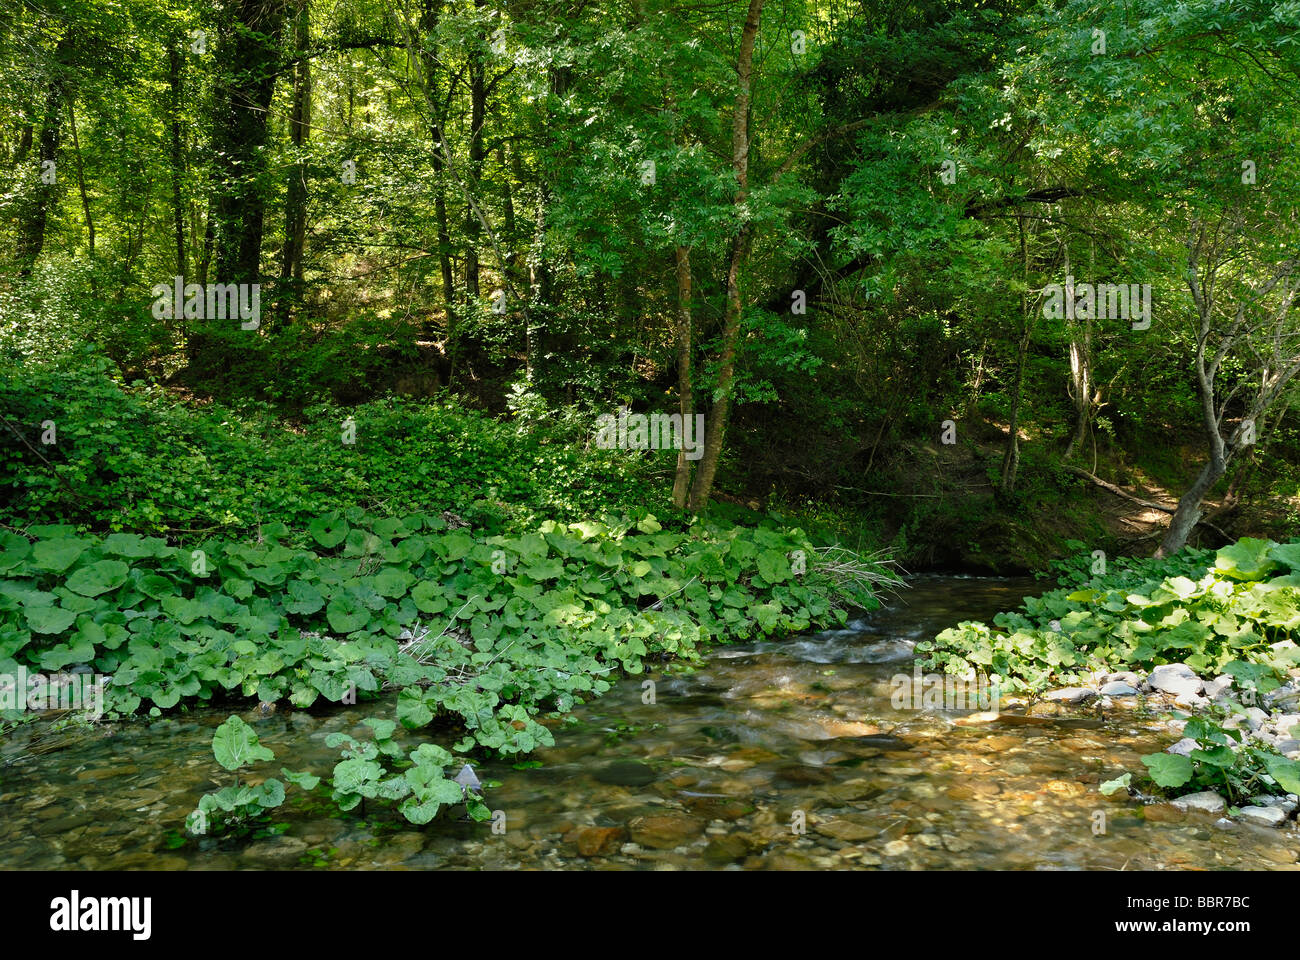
(31, 236)
(716, 426)
(174, 78)
(85, 198)
(1011, 460)
(685, 395)
(295, 204)
(431, 64)
(477, 116)
(1188, 514)
(250, 54)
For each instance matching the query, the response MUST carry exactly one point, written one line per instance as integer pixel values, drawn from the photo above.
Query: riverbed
(775, 755)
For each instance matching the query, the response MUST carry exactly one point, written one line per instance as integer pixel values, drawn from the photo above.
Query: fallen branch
(1150, 505)
(1118, 491)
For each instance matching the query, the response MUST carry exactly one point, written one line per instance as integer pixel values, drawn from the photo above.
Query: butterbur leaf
(383, 728)
(235, 745)
(773, 566)
(1119, 783)
(1168, 770)
(44, 619)
(329, 531)
(57, 555)
(1247, 559)
(303, 779)
(1285, 772)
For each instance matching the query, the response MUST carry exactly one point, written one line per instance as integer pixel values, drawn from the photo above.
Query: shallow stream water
(721, 771)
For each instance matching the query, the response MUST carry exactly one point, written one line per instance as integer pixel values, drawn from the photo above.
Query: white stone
(1175, 678)
(1263, 816)
(1207, 801)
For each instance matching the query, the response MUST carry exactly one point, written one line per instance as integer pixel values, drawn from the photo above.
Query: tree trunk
(716, 427)
(295, 203)
(85, 197)
(174, 63)
(685, 396)
(477, 115)
(31, 236)
(250, 55)
(1188, 513)
(1011, 460)
(429, 15)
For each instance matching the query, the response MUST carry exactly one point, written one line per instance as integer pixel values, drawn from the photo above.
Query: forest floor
(944, 511)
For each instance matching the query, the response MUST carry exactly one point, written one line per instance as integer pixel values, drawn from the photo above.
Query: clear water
(714, 774)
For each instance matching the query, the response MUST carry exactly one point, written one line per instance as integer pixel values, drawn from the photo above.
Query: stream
(712, 774)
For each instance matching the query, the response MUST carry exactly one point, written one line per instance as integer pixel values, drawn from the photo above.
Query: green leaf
(773, 566)
(307, 781)
(1169, 770)
(1119, 783)
(43, 619)
(329, 531)
(99, 578)
(1285, 772)
(57, 555)
(346, 614)
(1247, 559)
(235, 745)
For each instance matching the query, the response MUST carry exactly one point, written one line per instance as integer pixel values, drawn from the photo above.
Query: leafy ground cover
(1233, 613)
(480, 634)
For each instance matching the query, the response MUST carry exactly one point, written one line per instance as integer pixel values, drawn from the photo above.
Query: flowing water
(720, 771)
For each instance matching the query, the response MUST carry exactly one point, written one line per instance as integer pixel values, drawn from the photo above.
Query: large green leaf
(99, 578)
(1168, 769)
(235, 745)
(46, 619)
(329, 531)
(346, 613)
(57, 555)
(1247, 559)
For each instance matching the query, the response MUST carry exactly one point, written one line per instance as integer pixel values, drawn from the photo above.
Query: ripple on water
(714, 774)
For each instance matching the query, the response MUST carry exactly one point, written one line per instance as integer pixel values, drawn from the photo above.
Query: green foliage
(235, 747)
(134, 460)
(1142, 613)
(1223, 762)
(484, 632)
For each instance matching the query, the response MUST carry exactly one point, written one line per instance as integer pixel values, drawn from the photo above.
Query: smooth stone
(1288, 724)
(1175, 678)
(1219, 685)
(1070, 695)
(597, 841)
(1163, 813)
(1263, 816)
(665, 831)
(1285, 804)
(727, 849)
(848, 831)
(283, 851)
(1118, 688)
(1255, 718)
(1183, 748)
(1124, 676)
(1207, 801)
